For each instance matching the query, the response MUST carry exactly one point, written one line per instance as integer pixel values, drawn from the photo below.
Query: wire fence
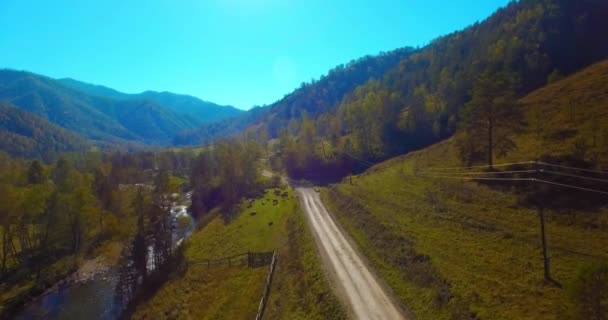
(248, 259)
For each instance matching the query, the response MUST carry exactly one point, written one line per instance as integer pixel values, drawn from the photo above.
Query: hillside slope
(94, 117)
(311, 99)
(455, 248)
(418, 100)
(571, 115)
(198, 110)
(23, 134)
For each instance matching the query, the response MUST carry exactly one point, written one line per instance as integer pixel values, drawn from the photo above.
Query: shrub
(591, 292)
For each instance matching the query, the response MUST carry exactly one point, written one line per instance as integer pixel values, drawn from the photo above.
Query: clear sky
(238, 52)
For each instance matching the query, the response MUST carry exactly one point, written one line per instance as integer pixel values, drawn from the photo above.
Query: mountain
(310, 99)
(94, 89)
(203, 111)
(23, 134)
(408, 214)
(415, 97)
(95, 117)
(199, 110)
(443, 86)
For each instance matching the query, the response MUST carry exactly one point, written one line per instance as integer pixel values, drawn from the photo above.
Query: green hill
(201, 111)
(454, 248)
(94, 117)
(570, 114)
(24, 134)
(312, 99)
(413, 98)
(197, 110)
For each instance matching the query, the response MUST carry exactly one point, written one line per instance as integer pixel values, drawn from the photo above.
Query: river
(93, 299)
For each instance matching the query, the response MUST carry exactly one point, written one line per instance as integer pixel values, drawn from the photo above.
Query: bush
(275, 181)
(591, 292)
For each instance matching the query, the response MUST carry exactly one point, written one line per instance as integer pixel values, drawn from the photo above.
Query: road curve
(366, 297)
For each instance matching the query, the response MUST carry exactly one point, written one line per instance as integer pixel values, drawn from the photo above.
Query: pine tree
(35, 174)
(492, 117)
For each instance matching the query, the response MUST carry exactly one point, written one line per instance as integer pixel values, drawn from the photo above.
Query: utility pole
(541, 216)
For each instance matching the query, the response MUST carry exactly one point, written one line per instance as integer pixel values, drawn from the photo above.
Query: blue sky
(238, 52)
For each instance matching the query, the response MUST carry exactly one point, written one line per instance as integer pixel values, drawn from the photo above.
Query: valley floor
(299, 289)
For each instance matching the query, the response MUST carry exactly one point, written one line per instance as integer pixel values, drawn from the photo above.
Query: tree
(35, 174)
(361, 115)
(140, 246)
(306, 137)
(32, 210)
(8, 216)
(493, 116)
(62, 175)
(160, 219)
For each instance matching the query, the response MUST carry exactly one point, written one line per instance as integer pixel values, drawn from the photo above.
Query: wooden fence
(249, 259)
(266, 292)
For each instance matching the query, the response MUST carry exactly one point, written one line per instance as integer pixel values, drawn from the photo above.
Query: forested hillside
(197, 110)
(94, 117)
(311, 99)
(433, 226)
(446, 85)
(23, 134)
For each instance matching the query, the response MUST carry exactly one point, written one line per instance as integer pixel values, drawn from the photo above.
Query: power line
(489, 179)
(573, 175)
(522, 179)
(546, 264)
(570, 186)
(571, 168)
(485, 173)
(518, 163)
(484, 166)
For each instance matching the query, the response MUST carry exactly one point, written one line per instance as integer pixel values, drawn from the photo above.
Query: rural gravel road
(357, 285)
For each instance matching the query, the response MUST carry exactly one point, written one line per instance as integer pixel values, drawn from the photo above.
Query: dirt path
(357, 285)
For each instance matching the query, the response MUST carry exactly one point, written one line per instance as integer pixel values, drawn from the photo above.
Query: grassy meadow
(454, 249)
(223, 292)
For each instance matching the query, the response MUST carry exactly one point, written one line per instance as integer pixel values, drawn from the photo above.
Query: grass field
(299, 289)
(454, 249)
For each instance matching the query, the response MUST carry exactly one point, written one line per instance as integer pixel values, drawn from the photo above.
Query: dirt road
(366, 297)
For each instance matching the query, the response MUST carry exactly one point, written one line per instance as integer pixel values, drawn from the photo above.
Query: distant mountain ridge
(106, 116)
(24, 134)
(202, 111)
(96, 118)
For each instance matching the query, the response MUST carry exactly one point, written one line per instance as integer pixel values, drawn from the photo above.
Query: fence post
(262, 305)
